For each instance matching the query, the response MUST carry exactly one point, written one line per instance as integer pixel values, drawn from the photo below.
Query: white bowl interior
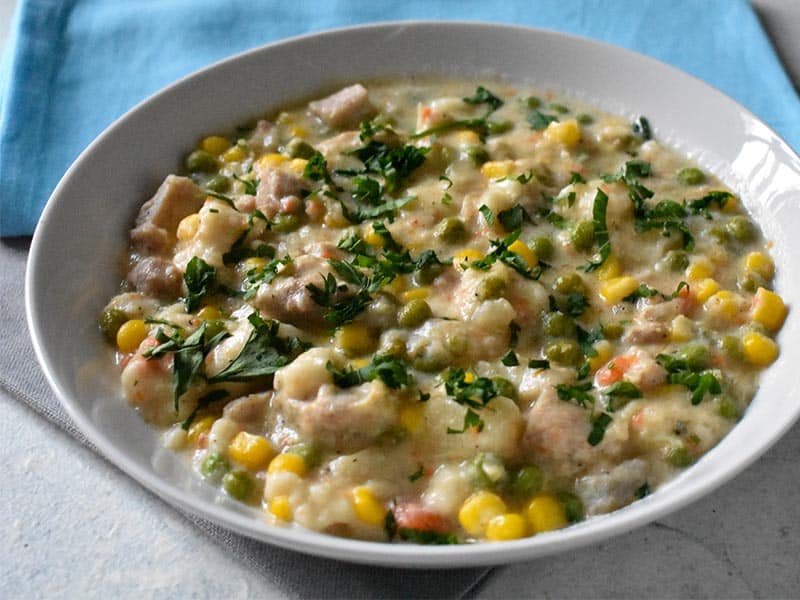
(74, 262)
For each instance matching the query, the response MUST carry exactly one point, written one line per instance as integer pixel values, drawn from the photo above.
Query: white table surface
(73, 526)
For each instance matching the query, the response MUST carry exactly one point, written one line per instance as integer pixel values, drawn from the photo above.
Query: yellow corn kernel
(299, 131)
(610, 269)
(545, 513)
(397, 287)
(130, 335)
(759, 350)
(420, 293)
(281, 507)
(373, 239)
(293, 463)
(604, 351)
(215, 144)
(724, 304)
(188, 227)
(335, 219)
(467, 138)
(359, 363)
(412, 417)
(731, 205)
(760, 263)
(477, 510)
(367, 507)
(495, 169)
(254, 262)
(700, 269)
(355, 339)
(703, 290)
(528, 255)
(768, 309)
(273, 159)
(463, 258)
(298, 165)
(469, 377)
(510, 526)
(251, 451)
(567, 133)
(209, 313)
(234, 154)
(614, 290)
(199, 427)
(681, 329)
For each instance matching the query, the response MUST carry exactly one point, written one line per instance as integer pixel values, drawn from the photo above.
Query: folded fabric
(73, 66)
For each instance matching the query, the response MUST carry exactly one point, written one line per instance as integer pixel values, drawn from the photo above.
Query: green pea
(110, 322)
(297, 148)
(219, 184)
(677, 260)
(395, 348)
(543, 248)
(558, 324)
(732, 347)
(238, 484)
(573, 506)
(697, 356)
(532, 102)
(505, 387)
(690, 176)
(569, 283)
(720, 234)
(213, 327)
(457, 343)
(751, 281)
(559, 108)
(585, 119)
(478, 155)
(450, 230)
(679, 456)
(214, 467)
(285, 223)
(414, 314)
(310, 453)
(582, 235)
(201, 161)
(498, 127)
(526, 481)
(741, 228)
(564, 353)
(491, 287)
(727, 408)
(612, 331)
(426, 275)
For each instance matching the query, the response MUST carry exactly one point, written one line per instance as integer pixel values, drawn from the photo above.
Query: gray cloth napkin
(296, 574)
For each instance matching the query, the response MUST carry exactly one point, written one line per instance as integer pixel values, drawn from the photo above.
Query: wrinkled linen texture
(73, 66)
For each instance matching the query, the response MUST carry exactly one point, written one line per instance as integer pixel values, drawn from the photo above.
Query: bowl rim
(377, 553)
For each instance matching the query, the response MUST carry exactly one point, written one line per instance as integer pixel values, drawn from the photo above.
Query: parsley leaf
(578, 392)
(599, 209)
(513, 218)
(479, 125)
(500, 251)
(263, 353)
(619, 393)
(484, 96)
(599, 423)
(641, 127)
(487, 213)
(540, 120)
(395, 164)
(202, 403)
(386, 368)
(425, 536)
(200, 279)
(255, 277)
(541, 363)
(316, 169)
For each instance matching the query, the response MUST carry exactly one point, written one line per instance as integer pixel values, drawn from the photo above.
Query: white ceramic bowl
(73, 265)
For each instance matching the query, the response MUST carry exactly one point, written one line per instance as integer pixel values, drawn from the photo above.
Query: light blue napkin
(73, 66)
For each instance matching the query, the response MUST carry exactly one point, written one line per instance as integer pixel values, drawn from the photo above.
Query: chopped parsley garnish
(576, 304)
(203, 402)
(475, 394)
(263, 353)
(641, 127)
(698, 382)
(240, 250)
(578, 393)
(201, 281)
(250, 185)
(487, 213)
(642, 491)
(425, 536)
(255, 277)
(600, 231)
(188, 356)
(417, 474)
(538, 363)
(599, 423)
(479, 125)
(510, 358)
(388, 369)
(501, 252)
(540, 120)
(342, 308)
(576, 178)
(316, 169)
(513, 218)
(395, 164)
(619, 393)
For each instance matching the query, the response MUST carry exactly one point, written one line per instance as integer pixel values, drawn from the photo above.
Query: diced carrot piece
(413, 515)
(614, 370)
